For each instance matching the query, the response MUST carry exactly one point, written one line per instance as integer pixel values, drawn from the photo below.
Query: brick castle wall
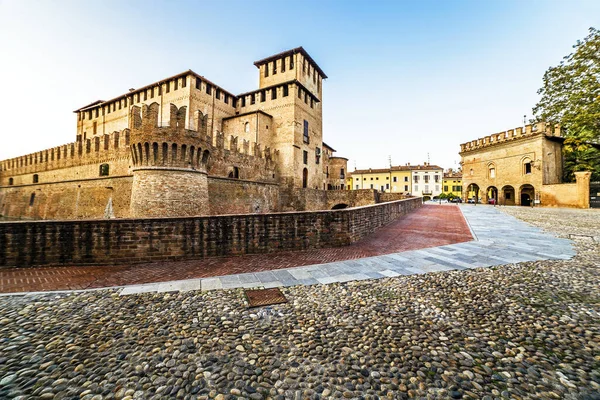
(34, 243)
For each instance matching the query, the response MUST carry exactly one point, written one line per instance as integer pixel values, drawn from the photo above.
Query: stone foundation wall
(77, 199)
(34, 243)
(235, 196)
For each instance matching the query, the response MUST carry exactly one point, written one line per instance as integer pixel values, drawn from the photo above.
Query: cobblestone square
(514, 330)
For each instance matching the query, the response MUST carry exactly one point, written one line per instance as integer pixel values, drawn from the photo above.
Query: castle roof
(328, 146)
(248, 113)
(289, 53)
(98, 103)
(294, 81)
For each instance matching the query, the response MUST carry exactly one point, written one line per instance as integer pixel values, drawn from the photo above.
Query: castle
(185, 146)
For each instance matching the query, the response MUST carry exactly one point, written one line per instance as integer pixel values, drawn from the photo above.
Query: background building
(452, 183)
(521, 167)
(416, 180)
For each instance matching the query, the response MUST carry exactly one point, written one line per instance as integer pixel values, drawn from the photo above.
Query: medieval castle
(184, 146)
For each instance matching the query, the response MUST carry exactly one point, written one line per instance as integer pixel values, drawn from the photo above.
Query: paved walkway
(499, 239)
(427, 227)
(435, 238)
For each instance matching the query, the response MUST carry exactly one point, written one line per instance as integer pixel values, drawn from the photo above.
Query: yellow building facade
(390, 180)
(452, 183)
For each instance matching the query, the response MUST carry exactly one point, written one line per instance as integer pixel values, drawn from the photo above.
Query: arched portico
(526, 195)
(507, 196)
(472, 192)
(491, 193)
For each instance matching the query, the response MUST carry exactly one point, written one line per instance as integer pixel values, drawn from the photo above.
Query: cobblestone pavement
(427, 227)
(529, 330)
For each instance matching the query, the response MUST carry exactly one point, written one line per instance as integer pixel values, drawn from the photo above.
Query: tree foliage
(570, 97)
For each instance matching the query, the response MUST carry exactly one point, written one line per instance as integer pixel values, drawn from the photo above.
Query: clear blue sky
(407, 78)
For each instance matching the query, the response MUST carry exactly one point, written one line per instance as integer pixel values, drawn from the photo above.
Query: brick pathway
(429, 226)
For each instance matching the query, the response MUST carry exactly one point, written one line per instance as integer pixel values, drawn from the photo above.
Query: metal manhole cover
(264, 297)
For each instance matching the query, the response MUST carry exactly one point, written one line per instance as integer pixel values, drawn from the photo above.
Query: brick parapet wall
(25, 244)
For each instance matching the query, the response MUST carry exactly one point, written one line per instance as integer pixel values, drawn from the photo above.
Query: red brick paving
(429, 226)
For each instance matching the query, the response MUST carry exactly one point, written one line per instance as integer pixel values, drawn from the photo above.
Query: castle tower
(169, 165)
(289, 96)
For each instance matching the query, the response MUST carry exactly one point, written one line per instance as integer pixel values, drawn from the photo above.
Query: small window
(31, 199)
(218, 94)
(406, 188)
(226, 98)
(286, 90)
(528, 168)
(11, 181)
(198, 84)
(263, 96)
(492, 170)
(235, 174)
(291, 62)
(445, 188)
(97, 111)
(274, 67)
(342, 173)
(184, 81)
(244, 101)
(273, 93)
(36, 178)
(406, 179)
(266, 70)
(299, 93)
(167, 87)
(387, 185)
(306, 135)
(208, 89)
(305, 157)
(318, 157)
(90, 114)
(175, 84)
(253, 98)
(104, 170)
(395, 179)
(283, 64)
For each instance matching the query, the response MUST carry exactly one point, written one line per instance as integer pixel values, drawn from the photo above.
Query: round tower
(169, 170)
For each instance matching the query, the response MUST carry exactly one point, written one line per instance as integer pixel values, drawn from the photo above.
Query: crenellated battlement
(510, 135)
(89, 151)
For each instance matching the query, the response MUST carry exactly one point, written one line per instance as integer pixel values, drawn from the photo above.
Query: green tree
(570, 97)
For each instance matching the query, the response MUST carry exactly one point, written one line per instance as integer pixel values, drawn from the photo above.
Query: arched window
(104, 170)
(36, 178)
(235, 173)
(247, 127)
(491, 171)
(526, 166)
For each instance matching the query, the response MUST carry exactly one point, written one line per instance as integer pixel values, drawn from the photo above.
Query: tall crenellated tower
(169, 164)
(289, 98)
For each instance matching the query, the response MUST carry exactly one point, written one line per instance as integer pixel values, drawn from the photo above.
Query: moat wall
(34, 243)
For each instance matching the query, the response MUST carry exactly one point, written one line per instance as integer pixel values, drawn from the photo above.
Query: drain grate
(264, 297)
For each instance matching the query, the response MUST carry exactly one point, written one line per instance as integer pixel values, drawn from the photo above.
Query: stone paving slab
(501, 239)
